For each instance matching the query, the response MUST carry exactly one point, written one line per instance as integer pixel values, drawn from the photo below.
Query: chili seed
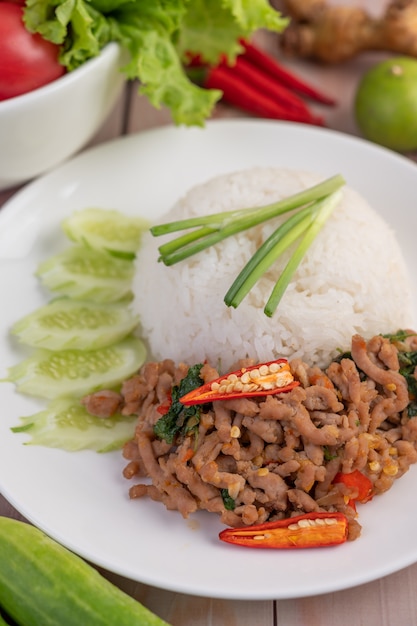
(275, 367)
(264, 378)
(303, 523)
(391, 469)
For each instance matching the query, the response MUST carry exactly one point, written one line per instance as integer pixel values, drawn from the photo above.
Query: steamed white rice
(352, 280)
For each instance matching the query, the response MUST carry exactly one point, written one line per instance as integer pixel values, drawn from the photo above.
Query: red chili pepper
(270, 65)
(312, 530)
(258, 380)
(267, 85)
(360, 484)
(165, 406)
(239, 93)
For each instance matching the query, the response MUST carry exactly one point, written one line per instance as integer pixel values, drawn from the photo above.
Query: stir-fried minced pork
(258, 459)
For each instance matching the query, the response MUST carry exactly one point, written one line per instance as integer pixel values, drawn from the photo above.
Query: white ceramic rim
(140, 539)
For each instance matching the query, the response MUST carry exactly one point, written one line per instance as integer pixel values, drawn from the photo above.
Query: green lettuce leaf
(214, 27)
(155, 61)
(155, 36)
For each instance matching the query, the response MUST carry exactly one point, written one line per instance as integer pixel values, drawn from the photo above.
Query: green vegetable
(327, 207)
(285, 235)
(180, 419)
(228, 501)
(328, 455)
(75, 324)
(155, 37)
(106, 230)
(83, 345)
(314, 206)
(85, 274)
(400, 335)
(408, 364)
(44, 584)
(51, 374)
(67, 425)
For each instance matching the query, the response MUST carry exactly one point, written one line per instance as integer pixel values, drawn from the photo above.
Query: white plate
(81, 499)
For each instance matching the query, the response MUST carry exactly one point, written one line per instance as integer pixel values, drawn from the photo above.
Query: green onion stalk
(311, 208)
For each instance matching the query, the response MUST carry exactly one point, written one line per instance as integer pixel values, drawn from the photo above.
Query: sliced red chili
(312, 530)
(258, 380)
(165, 406)
(361, 485)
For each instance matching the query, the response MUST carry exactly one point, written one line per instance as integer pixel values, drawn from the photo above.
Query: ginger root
(333, 34)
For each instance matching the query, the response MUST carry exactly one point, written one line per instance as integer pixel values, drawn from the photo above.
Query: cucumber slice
(106, 230)
(67, 425)
(64, 324)
(49, 374)
(85, 274)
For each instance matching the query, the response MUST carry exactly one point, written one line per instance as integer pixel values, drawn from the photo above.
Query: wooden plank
(385, 602)
(185, 610)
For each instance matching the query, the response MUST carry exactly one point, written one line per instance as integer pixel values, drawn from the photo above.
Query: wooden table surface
(391, 601)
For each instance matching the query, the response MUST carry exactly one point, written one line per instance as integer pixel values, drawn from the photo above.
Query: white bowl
(42, 128)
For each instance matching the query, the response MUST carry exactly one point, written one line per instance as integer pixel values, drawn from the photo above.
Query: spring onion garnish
(328, 205)
(312, 208)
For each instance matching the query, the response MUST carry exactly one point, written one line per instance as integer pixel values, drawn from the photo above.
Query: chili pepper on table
(267, 85)
(241, 94)
(256, 83)
(273, 68)
(258, 380)
(311, 530)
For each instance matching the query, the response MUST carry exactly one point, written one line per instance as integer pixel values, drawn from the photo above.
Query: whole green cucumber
(44, 584)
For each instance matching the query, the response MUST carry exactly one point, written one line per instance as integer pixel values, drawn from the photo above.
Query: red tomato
(27, 61)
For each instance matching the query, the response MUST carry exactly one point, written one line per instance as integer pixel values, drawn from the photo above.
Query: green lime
(386, 104)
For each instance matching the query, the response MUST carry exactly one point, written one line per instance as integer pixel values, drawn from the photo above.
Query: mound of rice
(352, 280)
